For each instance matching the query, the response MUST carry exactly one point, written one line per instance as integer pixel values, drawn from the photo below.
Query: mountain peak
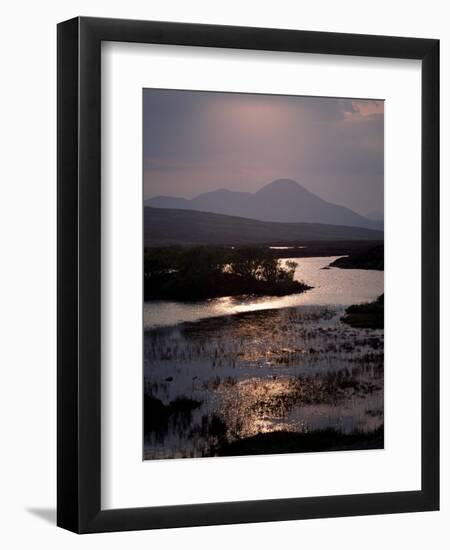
(282, 200)
(283, 185)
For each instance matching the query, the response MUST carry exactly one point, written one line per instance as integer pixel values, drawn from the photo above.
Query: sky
(196, 141)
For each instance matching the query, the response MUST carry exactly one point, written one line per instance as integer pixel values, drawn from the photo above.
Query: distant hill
(375, 215)
(164, 226)
(283, 200)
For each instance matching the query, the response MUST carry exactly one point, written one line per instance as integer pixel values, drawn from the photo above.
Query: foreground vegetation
(157, 415)
(294, 442)
(222, 385)
(370, 315)
(208, 272)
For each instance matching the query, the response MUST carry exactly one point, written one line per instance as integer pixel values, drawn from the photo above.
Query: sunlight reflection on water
(333, 286)
(293, 369)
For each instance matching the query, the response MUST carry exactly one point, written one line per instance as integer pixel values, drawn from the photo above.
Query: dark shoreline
(257, 290)
(283, 442)
(305, 249)
(368, 315)
(322, 249)
(371, 258)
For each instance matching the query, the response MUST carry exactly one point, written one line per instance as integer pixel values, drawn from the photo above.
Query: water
(333, 286)
(291, 369)
(227, 369)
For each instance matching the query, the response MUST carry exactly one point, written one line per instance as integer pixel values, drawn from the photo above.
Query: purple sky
(202, 141)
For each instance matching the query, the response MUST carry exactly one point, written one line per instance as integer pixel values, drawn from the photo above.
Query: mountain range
(167, 226)
(283, 200)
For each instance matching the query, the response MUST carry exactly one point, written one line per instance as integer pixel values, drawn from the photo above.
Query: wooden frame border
(79, 320)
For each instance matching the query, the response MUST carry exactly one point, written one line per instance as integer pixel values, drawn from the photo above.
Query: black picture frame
(79, 281)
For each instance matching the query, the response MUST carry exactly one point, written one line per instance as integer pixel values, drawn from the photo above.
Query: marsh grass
(217, 381)
(157, 415)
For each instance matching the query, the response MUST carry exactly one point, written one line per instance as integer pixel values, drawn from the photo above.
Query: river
(331, 287)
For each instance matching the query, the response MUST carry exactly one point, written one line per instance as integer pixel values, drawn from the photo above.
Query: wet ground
(297, 370)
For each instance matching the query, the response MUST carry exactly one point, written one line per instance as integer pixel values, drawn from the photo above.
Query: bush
(207, 272)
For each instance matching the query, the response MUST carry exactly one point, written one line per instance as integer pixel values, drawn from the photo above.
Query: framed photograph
(248, 255)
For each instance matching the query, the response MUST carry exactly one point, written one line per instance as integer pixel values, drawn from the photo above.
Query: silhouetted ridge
(283, 200)
(168, 226)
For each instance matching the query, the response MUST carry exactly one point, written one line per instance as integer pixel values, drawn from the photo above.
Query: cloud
(200, 141)
(368, 108)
